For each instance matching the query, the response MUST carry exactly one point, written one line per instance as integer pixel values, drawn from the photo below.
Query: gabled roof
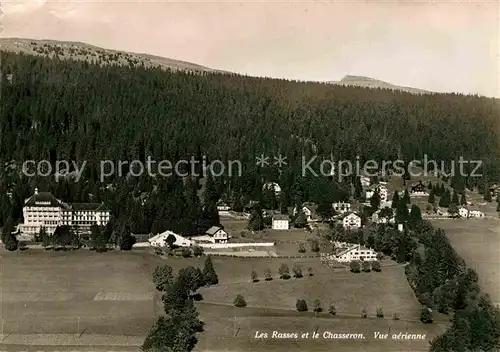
(354, 247)
(349, 214)
(44, 197)
(211, 231)
(281, 217)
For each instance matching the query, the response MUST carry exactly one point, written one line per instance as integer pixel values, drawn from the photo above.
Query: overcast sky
(443, 46)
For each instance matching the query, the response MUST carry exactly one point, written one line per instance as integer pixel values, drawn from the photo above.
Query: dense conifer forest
(70, 110)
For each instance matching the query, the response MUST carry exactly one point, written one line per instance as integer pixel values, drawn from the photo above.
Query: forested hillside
(72, 110)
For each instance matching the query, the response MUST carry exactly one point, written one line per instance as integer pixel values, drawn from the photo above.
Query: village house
(223, 206)
(476, 214)
(463, 212)
(42, 209)
(419, 189)
(162, 240)
(356, 252)
(376, 218)
(382, 192)
(307, 210)
(365, 181)
(341, 207)
(280, 222)
(351, 221)
(216, 234)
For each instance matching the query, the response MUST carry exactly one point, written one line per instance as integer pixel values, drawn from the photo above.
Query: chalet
(341, 207)
(308, 210)
(351, 221)
(419, 189)
(217, 234)
(223, 206)
(280, 222)
(163, 239)
(356, 252)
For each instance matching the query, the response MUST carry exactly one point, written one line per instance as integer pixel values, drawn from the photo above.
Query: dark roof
(281, 217)
(45, 197)
(88, 206)
(211, 231)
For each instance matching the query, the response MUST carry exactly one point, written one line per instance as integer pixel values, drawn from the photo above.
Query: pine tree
(401, 213)
(487, 194)
(406, 197)
(432, 198)
(209, 274)
(429, 186)
(463, 200)
(358, 188)
(415, 217)
(454, 199)
(395, 200)
(375, 200)
(126, 240)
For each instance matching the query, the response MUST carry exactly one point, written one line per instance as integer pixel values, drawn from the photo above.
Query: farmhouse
(356, 252)
(341, 207)
(168, 237)
(42, 209)
(280, 222)
(217, 234)
(419, 189)
(351, 221)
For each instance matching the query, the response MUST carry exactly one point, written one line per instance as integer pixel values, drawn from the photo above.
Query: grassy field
(87, 294)
(478, 242)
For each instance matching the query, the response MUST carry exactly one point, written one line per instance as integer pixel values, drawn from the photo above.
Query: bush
(332, 310)
(186, 253)
(284, 272)
(380, 256)
(380, 313)
(253, 276)
(197, 251)
(376, 266)
(426, 315)
(310, 271)
(395, 316)
(302, 248)
(267, 274)
(315, 246)
(239, 301)
(301, 305)
(297, 271)
(363, 313)
(366, 266)
(355, 266)
(317, 306)
(158, 251)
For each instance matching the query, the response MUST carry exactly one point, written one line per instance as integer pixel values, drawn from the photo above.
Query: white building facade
(351, 221)
(342, 207)
(42, 209)
(280, 222)
(357, 252)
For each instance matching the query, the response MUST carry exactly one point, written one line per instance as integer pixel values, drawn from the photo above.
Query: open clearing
(478, 242)
(107, 299)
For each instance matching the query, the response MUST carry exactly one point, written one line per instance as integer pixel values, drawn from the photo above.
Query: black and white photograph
(245, 176)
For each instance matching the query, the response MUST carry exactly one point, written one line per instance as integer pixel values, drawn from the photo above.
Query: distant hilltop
(95, 54)
(367, 82)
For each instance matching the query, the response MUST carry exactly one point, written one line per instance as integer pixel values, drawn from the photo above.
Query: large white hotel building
(42, 209)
